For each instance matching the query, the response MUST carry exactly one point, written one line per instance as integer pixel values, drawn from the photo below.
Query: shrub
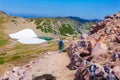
(66, 29)
(39, 27)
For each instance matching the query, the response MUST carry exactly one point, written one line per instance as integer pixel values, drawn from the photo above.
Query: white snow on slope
(27, 36)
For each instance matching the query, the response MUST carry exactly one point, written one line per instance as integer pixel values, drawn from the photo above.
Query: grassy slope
(19, 54)
(61, 26)
(22, 54)
(3, 39)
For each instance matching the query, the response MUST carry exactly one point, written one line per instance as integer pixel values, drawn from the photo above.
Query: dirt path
(51, 63)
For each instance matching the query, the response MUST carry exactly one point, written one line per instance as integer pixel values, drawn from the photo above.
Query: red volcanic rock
(99, 26)
(116, 70)
(99, 49)
(84, 36)
(117, 15)
(104, 41)
(118, 38)
(109, 17)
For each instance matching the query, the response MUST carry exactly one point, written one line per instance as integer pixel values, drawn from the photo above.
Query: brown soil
(53, 63)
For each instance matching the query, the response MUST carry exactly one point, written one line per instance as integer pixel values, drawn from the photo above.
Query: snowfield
(27, 36)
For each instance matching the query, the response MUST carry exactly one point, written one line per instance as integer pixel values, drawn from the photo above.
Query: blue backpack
(61, 43)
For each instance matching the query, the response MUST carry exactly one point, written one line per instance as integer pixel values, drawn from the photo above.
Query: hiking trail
(52, 63)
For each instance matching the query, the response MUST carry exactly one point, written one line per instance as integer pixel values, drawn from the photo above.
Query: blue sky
(88, 9)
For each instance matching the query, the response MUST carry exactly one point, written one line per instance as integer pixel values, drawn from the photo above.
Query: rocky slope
(100, 48)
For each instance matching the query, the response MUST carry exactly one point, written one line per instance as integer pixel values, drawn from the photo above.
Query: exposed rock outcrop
(103, 46)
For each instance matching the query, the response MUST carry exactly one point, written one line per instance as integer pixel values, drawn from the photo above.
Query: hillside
(61, 26)
(3, 36)
(50, 27)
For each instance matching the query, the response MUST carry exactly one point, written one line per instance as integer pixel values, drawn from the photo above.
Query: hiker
(61, 45)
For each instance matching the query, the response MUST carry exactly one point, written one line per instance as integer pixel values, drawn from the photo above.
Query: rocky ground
(53, 63)
(100, 48)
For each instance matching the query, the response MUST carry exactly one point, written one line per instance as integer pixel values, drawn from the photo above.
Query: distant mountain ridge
(83, 20)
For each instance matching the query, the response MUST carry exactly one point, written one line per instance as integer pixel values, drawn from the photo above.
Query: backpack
(61, 43)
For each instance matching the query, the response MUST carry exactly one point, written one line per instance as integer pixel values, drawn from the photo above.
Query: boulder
(99, 49)
(93, 42)
(109, 17)
(118, 38)
(84, 36)
(98, 27)
(116, 70)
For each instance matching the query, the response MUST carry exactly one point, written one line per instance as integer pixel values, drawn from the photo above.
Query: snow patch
(27, 36)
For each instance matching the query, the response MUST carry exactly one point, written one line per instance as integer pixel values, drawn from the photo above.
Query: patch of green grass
(3, 39)
(2, 61)
(1, 20)
(15, 57)
(3, 42)
(2, 54)
(23, 53)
